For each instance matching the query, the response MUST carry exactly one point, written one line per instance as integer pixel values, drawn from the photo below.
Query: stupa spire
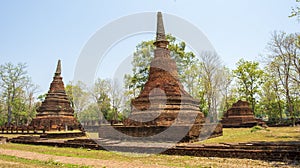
(161, 41)
(58, 68)
(55, 111)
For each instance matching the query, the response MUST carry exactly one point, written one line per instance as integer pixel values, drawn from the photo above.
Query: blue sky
(41, 32)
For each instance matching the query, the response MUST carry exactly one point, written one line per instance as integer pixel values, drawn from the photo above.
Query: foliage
(16, 91)
(201, 78)
(103, 100)
(186, 62)
(78, 96)
(283, 61)
(296, 11)
(249, 78)
(257, 128)
(211, 79)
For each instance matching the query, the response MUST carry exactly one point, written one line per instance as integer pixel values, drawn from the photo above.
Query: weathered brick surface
(271, 151)
(175, 133)
(56, 113)
(240, 115)
(163, 102)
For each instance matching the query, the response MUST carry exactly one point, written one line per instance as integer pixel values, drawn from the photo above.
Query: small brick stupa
(164, 111)
(56, 113)
(240, 115)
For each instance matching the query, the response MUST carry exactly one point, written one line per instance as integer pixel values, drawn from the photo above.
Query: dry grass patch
(271, 134)
(144, 159)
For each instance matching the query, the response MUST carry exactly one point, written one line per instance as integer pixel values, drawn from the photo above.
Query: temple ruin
(56, 112)
(240, 115)
(163, 103)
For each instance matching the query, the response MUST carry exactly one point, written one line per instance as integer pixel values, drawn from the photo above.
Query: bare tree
(116, 97)
(227, 78)
(284, 59)
(211, 78)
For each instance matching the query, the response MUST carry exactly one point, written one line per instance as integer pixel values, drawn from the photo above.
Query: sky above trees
(41, 32)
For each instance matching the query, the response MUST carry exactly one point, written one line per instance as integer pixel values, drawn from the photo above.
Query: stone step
(104, 141)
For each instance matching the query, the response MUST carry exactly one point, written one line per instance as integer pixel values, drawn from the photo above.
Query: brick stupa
(56, 111)
(163, 111)
(163, 96)
(240, 115)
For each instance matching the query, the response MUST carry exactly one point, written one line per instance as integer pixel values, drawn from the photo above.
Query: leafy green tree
(78, 96)
(295, 11)
(100, 95)
(91, 113)
(270, 105)
(249, 78)
(16, 90)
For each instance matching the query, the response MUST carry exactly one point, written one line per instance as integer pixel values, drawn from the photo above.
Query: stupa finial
(161, 40)
(58, 68)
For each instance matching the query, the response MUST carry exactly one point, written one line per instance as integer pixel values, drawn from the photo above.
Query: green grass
(12, 161)
(63, 131)
(271, 134)
(17, 135)
(230, 136)
(129, 158)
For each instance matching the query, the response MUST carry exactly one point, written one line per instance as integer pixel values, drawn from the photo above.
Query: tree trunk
(9, 114)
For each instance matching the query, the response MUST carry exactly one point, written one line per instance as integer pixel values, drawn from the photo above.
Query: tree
(202, 78)
(284, 59)
(295, 11)
(270, 105)
(226, 90)
(116, 96)
(100, 92)
(14, 83)
(249, 78)
(212, 77)
(91, 113)
(140, 63)
(272, 93)
(78, 96)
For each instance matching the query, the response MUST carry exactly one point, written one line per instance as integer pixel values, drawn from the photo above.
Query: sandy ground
(71, 160)
(207, 162)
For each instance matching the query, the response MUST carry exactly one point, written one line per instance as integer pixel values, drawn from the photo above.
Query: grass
(12, 162)
(17, 135)
(93, 135)
(63, 131)
(229, 136)
(271, 134)
(141, 159)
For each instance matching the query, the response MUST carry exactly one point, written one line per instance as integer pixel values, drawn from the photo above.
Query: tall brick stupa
(163, 96)
(164, 110)
(56, 111)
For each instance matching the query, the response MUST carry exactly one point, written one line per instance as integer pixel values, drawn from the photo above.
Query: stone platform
(270, 151)
(174, 134)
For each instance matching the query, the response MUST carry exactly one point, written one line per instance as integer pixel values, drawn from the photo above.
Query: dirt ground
(72, 160)
(207, 162)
